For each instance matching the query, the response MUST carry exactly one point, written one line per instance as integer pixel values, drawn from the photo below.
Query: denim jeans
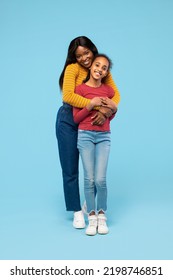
(66, 133)
(94, 150)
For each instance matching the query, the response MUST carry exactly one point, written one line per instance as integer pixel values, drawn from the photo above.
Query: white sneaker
(92, 227)
(102, 226)
(78, 220)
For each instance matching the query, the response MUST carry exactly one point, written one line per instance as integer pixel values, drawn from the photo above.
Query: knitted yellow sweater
(74, 76)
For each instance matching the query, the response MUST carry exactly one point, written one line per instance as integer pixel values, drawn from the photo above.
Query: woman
(80, 55)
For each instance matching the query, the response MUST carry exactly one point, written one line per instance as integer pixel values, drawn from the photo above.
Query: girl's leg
(102, 155)
(86, 148)
(101, 162)
(66, 132)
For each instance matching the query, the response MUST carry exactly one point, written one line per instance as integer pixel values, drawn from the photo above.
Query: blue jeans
(66, 133)
(94, 150)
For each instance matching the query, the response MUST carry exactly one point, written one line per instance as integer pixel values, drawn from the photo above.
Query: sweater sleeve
(109, 81)
(69, 84)
(80, 114)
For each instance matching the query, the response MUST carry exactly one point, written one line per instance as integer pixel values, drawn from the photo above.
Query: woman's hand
(107, 112)
(98, 119)
(108, 103)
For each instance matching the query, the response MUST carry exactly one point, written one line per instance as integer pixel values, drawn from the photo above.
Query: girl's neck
(93, 83)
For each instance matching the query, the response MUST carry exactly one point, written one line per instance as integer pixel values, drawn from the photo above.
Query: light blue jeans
(94, 150)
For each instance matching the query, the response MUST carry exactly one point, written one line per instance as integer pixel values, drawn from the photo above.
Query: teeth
(97, 73)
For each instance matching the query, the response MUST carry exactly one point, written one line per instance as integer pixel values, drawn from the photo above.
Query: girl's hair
(82, 41)
(109, 67)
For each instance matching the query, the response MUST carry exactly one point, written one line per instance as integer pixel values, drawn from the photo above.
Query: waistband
(66, 105)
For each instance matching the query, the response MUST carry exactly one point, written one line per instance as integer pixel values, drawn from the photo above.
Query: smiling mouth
(98, 73)
(86, 62)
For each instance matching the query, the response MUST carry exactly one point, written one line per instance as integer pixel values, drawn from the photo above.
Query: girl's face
(99, 68)
(84, 56)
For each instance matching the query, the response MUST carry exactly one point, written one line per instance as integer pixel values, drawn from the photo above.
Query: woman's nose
(84, 57)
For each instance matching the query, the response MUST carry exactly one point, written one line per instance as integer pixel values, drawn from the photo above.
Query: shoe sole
(77, 227)
(103, 232)
(89, 234)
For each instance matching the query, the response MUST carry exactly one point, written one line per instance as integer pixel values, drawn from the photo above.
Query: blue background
(35, 35)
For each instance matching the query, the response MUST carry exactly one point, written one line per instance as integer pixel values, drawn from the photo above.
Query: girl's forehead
(102, 60)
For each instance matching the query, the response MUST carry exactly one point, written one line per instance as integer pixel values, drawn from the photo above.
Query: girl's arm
(80, 114)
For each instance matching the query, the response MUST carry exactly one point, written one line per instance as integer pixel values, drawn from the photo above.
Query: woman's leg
(66, 132)
(86, 148)
(101, 162)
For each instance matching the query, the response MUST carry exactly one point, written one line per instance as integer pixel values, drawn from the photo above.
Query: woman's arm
(108, 111)
(74, 76)
(109, 81)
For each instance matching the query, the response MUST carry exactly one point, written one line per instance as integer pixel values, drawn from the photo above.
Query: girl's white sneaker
(102, 226)
(92, 227)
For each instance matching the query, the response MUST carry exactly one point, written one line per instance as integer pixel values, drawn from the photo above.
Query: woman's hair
(82, 41)
(109, 67)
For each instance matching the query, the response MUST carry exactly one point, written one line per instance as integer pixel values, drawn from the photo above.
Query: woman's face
(84, 56)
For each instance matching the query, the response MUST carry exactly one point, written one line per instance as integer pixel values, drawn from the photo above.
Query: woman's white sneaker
(102, 226)
(78, 220)
(92, 227)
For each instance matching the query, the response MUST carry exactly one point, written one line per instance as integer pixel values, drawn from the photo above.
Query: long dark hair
(82, 41)
(110, 66)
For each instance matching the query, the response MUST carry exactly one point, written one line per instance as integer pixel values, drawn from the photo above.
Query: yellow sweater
(74, 76)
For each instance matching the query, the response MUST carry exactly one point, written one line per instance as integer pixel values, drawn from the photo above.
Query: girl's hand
(96, 101)
(107, 102)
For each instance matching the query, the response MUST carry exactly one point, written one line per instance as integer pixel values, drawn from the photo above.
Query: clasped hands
(106, 110)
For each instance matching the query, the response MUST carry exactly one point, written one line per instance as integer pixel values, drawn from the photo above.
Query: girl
(94, 142)
(80, 55)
